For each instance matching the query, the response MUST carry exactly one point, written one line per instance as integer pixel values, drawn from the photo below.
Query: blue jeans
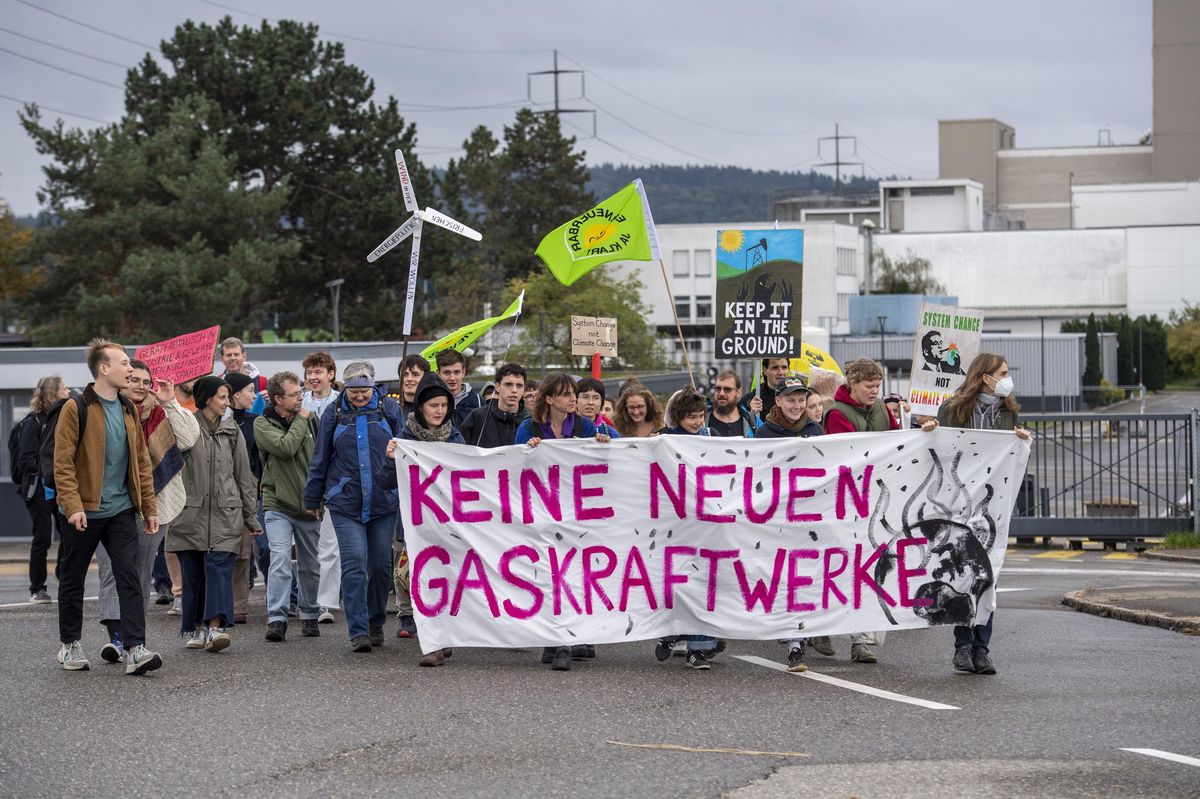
(281, 531)
(366, 554)
(977, 637)
(699, 643)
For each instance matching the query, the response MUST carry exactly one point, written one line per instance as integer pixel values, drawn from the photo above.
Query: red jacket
(836, 421)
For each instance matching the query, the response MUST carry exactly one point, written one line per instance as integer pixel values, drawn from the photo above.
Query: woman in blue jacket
(352, 476)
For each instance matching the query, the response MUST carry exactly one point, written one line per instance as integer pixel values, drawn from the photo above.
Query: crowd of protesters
(186, 490)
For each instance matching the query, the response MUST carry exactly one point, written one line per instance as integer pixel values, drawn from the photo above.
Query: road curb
(1078, 600)
(1170, 556)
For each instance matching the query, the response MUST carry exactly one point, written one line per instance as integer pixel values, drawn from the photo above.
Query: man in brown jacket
(102, 479)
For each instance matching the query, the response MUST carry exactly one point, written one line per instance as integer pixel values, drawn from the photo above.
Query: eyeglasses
(724, 389)
(133, 381)
(293, 394)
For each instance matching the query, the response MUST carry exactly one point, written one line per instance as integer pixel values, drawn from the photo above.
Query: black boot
(962, 659)
(562, 659)
(983, 663)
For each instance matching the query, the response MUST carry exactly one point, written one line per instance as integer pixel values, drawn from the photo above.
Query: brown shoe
(239, 618)
(434, 658)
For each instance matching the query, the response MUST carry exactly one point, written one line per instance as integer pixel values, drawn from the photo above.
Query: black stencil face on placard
(960, 536)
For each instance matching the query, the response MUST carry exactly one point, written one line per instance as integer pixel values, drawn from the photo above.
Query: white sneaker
(325, 617)
(176, 608)
(72, 658)
(216, 639)
(140, 660)
(197, 639)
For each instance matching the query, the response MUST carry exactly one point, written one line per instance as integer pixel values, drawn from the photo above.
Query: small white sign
(594, 334)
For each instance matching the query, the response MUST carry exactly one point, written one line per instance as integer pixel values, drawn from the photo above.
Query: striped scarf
(165, 457)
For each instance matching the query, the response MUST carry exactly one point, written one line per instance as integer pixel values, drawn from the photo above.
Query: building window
(931, 191)
(846, 258)
(704, 308)
(683, 308)
(693, 345)
(703, 261)
(680, 263)
(843, 306)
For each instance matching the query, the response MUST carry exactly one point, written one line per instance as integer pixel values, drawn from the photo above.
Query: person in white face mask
(984, 401)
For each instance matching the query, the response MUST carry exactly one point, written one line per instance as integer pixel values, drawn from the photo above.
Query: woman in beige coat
(221, 507)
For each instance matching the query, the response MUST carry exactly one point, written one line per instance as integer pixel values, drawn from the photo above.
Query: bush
(1181, 540)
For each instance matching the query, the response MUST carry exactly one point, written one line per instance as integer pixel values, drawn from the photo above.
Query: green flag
(619, 229)
(467, 335)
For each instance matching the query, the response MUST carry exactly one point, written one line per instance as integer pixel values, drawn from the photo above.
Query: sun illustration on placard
(597, 234)
(732, 240)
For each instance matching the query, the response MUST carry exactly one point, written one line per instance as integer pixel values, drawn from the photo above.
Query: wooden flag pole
(678, 329)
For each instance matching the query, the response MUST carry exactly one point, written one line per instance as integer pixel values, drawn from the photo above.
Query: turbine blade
(441, 220)
(398, 235)
(410, 197)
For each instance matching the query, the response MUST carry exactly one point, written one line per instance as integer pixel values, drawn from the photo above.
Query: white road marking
(1009, 590)
(853, 686)
(1107, 573)
(1174, 758)
(52, 604)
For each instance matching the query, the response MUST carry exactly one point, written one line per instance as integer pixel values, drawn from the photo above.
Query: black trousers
(119, 535)
(42, 513)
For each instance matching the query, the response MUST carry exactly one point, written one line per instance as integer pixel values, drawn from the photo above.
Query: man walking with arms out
(102, 477)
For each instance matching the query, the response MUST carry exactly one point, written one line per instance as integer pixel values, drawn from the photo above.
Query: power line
(398, 45)
(60, 69)
(89, 27)
(64, 49)
(702, 124)
(55, 110)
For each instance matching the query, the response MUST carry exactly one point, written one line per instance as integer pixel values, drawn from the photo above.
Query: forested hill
(680, 194)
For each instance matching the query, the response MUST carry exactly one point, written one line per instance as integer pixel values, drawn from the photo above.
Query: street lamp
(868, 229)
(335, 290)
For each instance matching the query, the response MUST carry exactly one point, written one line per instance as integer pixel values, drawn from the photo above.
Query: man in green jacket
(286, 435)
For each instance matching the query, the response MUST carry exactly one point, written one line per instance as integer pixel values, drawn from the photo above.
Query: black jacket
(245, 423)
(491, 427)
(769, 429)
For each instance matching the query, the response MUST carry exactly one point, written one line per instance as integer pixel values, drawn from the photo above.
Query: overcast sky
(751, 84)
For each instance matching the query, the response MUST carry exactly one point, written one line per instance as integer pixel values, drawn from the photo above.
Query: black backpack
(46, 441)
(14, 448)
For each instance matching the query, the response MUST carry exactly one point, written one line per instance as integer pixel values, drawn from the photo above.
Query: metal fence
(1117, 476)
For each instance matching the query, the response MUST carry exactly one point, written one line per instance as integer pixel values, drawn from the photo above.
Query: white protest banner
(947, 341)
(583, 542)
(594, 335)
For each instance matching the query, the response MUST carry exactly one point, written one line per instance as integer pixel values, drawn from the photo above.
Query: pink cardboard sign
(183, 357)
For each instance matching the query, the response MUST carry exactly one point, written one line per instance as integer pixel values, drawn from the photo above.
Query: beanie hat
(205, 389)
(237, 381)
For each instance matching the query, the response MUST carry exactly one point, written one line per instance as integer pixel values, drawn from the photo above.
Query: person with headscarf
(349, 476)
(221, 510)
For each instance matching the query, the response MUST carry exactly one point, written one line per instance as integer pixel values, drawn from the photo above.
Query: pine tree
(1091, 358)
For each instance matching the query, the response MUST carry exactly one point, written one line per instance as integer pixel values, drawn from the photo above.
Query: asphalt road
(308, 718)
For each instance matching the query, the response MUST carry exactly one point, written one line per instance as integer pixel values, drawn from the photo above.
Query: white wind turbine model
(412, 227)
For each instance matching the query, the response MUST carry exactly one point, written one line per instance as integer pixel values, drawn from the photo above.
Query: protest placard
(947, 341)
(752, 539)
(759, 278)
(183, 357)
(594, 335)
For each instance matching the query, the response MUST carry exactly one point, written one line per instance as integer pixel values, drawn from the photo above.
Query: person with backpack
(221, 510)
(347, 476)
(169, 431)
(102, 479)
(23, 443)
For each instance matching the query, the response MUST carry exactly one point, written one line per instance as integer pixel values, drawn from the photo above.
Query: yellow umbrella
(811, 356)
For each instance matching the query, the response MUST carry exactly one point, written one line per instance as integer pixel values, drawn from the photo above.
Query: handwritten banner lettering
(183, 357)
(582, 542)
